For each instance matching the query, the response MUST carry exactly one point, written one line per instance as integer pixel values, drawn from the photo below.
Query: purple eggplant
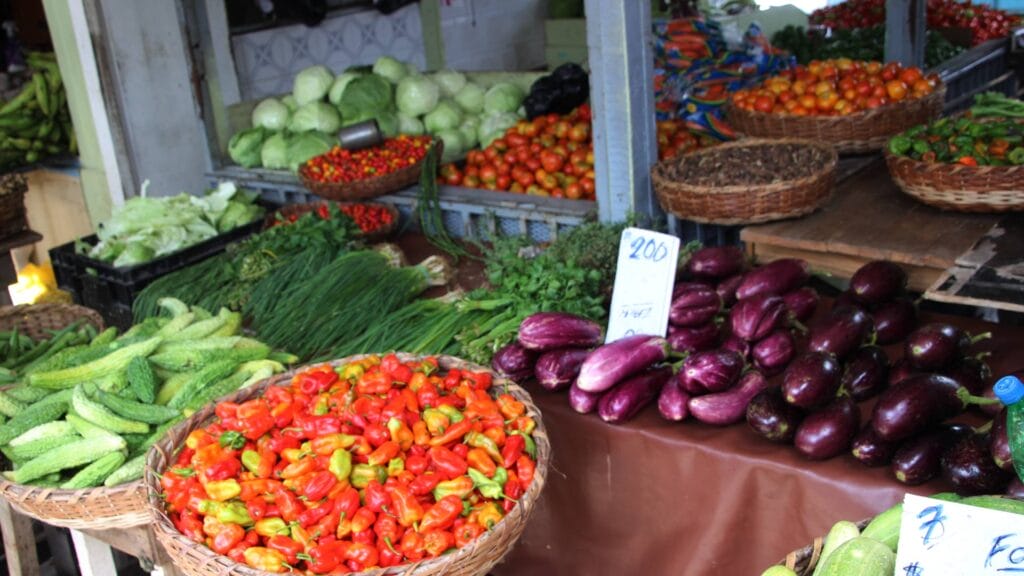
(583, 402)
(694, 339)
(716, 262)
(772, 418)
(673, 402)
(901, 370)
(755, 317)
(971, 373)
(694, 306)
(916, 404)
(727, 289)
(801, 303)
(848, 300)
(774, 352)
(866, 373)
(514, 362)
(969, 467)
(919, 459)
(870, 450)
(728, 407)
(811, 381)
(841, 333)
(829, 431)
(878, 281)
(626, 399)
(557, 369)
(894, 320)
(681, 287)
(775, 278)
(990, 409)
(999, 442)
(936, 346)
(550, 330)
(711, 371)
(616, 361)
(737, 345)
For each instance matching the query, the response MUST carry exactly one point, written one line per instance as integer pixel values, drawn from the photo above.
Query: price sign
(951, 539)
(644, 276)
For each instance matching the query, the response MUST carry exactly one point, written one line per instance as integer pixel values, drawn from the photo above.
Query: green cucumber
(99, 415)
(57, 428)
(68, 456)
(142, 380)
(29, 450)
(94, 474)
(140, 412)
(860, 556)
(27, 394)
(116, 361)
(85, 428)
(841, 532)
(9, 406)
(1001, 503)
(130, 470)
(39, 413)
(885, 527)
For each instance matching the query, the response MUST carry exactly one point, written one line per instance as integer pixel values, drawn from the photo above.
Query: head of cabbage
(416, 95)
(446, 116)
(503, 97)
(409, 125)
(339, 85)
(450, 81)
(311, 84)
(494, 126)
(307, 145)
(471, 98)
(244, 147)
(389, 68)
(365, 96)
(274, 153)
(454, 146)
(319, 116)
(270, 114)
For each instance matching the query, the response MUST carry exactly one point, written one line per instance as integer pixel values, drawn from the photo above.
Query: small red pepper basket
(474, 559)
(370, 187)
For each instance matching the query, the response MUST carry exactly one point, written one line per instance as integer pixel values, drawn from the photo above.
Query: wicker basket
(12, 204)
(805, 560)
(958, 187)
(37, 320)
(369, 188)
(745, 204)
(376, 236)
(865, 131)
(475, 559)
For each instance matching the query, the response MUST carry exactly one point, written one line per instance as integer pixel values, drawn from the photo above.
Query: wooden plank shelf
(990, 273)
(869, 218)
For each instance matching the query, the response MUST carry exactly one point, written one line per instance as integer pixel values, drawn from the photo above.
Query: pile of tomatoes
(674, 138)
(550, 155)
(340, 165)
(836, 88)
(984, 22)
(377, 462)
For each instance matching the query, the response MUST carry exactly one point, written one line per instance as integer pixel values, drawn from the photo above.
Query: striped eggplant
(756, 317)
(776, 277)
(550, 330)
(616, 361)
(627, 398)
(557, 369)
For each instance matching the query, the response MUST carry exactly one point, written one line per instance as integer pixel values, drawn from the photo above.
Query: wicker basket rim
(162, 524)
(859, 116)
(832, 159)
(943, 166)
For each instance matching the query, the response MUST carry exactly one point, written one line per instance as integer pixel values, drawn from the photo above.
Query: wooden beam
(622, 96)
(19, 542)
(905, 32)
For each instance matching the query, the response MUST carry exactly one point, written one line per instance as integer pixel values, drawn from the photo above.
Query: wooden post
(905, 31)
(94, 556)
(19, 542)
(622, 96)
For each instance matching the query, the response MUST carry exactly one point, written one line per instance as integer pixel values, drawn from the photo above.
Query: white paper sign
(951, 539)
(644, 276)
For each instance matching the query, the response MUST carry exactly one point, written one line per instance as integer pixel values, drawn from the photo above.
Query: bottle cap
(1009, 390)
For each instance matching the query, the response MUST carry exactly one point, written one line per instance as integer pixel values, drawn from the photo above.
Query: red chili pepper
(326, 557)
(466, 533)
(287, 503)
(228, 537)
(364, 555)
(454, 433)
(384, 453)
(347, 503)
(387, 527)
(376, 434)
(512, 450)
(513, 490)
(375, 497)
(406, 508)
(425, 483)
(447, 463)
(437, 542)
(442, 514)
(191, 526)
(318, 487)
(257, 509)
(311, 516)
(363, 520)
(412, 545)
(525, 469)
(387, 555)
(285, 545)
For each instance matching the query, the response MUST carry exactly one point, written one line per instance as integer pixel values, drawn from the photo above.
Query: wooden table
(869, 218)
(991, 273)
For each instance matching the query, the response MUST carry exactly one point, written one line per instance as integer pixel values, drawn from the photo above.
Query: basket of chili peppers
(398, 464)
(965, 164)
(342, 174)
(376, 220)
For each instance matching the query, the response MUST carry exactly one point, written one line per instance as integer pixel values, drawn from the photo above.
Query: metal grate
(982, 68)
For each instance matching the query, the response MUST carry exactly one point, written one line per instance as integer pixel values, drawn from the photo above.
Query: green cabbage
(365, 96)
(410, 126)
(307, 145)
(494, 126)
(274, 153)
(270, 114)
(312, 84)
(290, 103)
(469, 128)
(387, 122)
(339, 85)
(319, 116)
(450, 81)
(454, 147)
(471, 98)
(416, 95)
(390, 69)
(244, 147)
(446, 116)
(503, 97)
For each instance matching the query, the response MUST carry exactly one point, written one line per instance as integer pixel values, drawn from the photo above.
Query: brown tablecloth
(652, 497)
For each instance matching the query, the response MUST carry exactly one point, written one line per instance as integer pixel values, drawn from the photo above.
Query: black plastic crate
(111, 291)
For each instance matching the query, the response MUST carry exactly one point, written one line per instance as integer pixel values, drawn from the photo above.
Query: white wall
(493, 34)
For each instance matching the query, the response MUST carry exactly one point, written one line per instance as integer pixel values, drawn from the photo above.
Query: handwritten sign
(950, 539)
(644, 277)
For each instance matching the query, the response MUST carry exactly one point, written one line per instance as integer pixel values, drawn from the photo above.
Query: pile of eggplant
(737, 349)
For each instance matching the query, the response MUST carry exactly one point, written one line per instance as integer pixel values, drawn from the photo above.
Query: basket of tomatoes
(855, 106)
(342, 174)
(394, 464)
(376, 220)
(964, 164)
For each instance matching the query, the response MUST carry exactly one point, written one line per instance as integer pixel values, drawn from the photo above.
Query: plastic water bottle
(1010, 390)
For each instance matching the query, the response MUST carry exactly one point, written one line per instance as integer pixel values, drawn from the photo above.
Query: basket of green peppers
(971, 163)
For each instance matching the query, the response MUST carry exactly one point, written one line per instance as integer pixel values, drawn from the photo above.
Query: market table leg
(94, 556)
(138, 541)
(19, 542)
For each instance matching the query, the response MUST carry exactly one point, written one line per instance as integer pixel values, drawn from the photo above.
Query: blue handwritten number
(637, 245)
(648, 250)
(912, 569)
(928, 527)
